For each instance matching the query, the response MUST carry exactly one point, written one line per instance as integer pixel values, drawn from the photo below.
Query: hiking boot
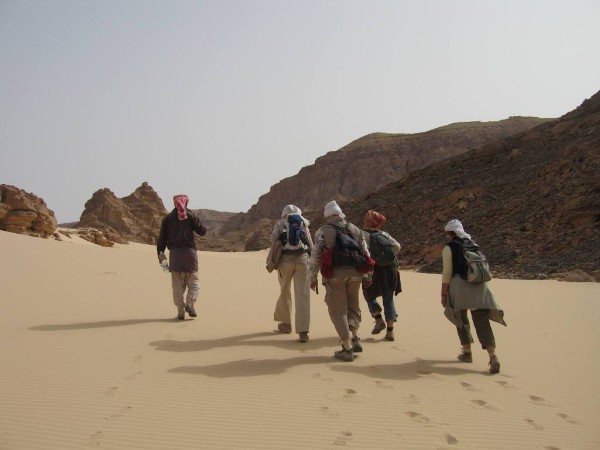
(379, 326)
(465, 357)
(190, 310)
(389, 335)
(181, 316)
(284, 327)
(356, 345)
(344, 355)
(303, 336)
(494, 364)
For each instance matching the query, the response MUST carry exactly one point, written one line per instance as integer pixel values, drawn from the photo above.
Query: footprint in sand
(138, 359)
(449, 439)
(550, 447)
(169, 335)
(568, 419)
(318, 375)
(94, 440)
(417, 417)
(539, 401)
(120, 413)
(382, 385)
(534, 424)
(505, 384)
(133, 375)
(412, 399)
(349, 393)
(469, 387)
(343, 438)
(328, 412)
(111, 392)
(484, 404)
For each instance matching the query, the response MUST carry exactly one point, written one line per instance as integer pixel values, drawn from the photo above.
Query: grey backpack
(478, 269)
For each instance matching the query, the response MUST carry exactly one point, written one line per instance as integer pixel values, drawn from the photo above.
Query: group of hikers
(348, 259)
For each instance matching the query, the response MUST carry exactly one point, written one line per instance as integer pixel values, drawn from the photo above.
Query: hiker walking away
(385, 281)
(459, 296)
(342, 282)
(177, 234)
(296, 245)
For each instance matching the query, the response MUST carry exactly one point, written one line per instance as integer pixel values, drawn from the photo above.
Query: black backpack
(347, 251)
(381, 249)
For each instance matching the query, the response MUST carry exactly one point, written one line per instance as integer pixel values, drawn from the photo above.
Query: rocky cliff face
(25, 213)
(373, 161)
(532, 201)
(135, 218)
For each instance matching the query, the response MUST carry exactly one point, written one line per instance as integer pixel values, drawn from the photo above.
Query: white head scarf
(290, 209)
(455, 226)
(333, 209)
(293, 209)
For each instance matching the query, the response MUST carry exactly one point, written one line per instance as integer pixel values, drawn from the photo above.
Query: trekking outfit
(385, 284)
(293, 266)
(342, 287)
(463, 296)
(177, 234)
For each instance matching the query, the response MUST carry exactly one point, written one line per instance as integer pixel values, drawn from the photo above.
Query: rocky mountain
(532, 200)
(373, 161)
(25, 213)
(135, 218)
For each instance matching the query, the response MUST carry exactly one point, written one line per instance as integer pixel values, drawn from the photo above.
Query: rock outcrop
(373, 161)
(25, 213)
(135, 218)
(532, 201)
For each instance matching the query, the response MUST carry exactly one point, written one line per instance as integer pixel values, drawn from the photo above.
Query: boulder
(25, 213)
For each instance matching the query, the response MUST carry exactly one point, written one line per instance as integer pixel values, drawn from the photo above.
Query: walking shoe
(190, 310)
(284, 327)
(356, 345)
(379, 326)
(494, 364)
(465, 357)
(181, 316)
(303, 336)
(389, 336)
(344, 355)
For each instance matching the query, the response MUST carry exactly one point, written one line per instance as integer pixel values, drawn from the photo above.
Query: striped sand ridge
(92, 357)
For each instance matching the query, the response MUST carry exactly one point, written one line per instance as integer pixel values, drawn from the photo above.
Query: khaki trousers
(294, 267)
(341, 297)
(180, 281)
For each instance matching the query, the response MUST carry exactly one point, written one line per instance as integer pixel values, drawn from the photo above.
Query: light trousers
(294, 268)
(180, 281)
(341, 297)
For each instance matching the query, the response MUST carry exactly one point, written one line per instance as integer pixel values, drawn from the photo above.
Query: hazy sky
(222, 99)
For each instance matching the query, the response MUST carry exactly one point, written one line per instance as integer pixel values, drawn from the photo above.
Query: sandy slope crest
(91, 357)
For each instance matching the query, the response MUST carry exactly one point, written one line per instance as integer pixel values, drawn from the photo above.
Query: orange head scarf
(374, 220)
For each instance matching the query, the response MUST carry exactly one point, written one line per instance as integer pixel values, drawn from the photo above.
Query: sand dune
(91, 356)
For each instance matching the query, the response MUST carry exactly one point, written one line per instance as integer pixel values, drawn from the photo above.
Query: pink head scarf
(180, 202)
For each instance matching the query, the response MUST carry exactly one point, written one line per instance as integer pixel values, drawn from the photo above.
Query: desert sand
(92, 356)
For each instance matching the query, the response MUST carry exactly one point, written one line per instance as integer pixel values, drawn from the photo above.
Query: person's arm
(199, 227)
(277, 230)
(446, 272)
(315, 258)
(161, 243)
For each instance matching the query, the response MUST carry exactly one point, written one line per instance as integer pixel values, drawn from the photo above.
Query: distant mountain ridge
(532, 200)
(371, 162)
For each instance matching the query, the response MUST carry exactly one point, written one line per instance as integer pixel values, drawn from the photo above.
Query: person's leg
(302, 295)
(193, 289)
(354, 314)
(485, 335)
(178, 287)
(335, 299)
(389, 309)
(464, 334)
(375, 311)
(282, 312)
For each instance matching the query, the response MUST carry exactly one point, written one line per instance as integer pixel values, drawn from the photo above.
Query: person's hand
(313, 285)
(367, 282)
(444, 301)
(161, 257)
